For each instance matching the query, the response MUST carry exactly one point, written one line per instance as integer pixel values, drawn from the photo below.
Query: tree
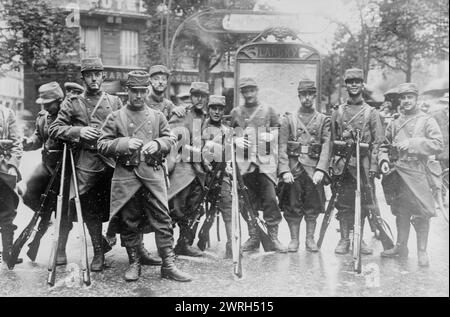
(411, 30)
(35, 35)
(205, 49)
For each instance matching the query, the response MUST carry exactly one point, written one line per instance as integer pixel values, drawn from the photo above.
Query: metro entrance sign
(225, 21)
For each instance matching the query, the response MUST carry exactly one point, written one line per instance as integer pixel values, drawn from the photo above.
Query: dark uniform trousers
(304, 199)
(183, 204)
(261, 189)
(7, 208)
(225, 202)
(142, 210)
(345, 203)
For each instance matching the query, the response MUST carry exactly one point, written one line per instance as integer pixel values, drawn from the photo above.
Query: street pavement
(265, 274)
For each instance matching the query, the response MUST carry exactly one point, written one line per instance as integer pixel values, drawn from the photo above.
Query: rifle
(235, 220)
(59, 208)
(44, 213)
(357, 226)
(335, 190)
(214, 197)
(381, 226)
(194, 219)
(248, 212)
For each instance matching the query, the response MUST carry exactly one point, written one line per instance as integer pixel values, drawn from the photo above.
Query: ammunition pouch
(89, 145)
(130, 161)
(393, 154)
(154, 160)
(340, 148)
(313, 150)
(51, 157)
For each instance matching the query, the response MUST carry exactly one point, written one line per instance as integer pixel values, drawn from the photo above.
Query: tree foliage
(410, 30)
(35, 35)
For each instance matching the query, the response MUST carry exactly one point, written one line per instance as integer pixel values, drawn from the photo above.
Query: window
(90, 41)
(129, 48)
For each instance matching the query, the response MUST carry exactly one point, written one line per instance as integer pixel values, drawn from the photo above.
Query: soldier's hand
(242, 143)
(134, 144)
(288, 177)
(384, 167)
(403, 145)
(179, 111)
(151, 147)
(318, 177)
(89, 133)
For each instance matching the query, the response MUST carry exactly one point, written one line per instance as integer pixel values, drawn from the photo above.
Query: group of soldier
(127, 175)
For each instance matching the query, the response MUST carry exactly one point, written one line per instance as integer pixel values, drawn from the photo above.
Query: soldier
(442, 119)
(408, 155)
(51, 97)
(10, 155)
(73, 89)
(354, 114)
(304, 150)
(188, 176)
(137, 136)
(259, 172)
(213, 130)
(79, 121)
(159, 76)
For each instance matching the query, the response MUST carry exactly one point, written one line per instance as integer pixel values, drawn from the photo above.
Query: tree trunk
(409, 61)
(203, 66)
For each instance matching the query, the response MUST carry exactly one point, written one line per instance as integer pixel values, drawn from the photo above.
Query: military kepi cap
(50, 92)
(91, 63)
(406, 88)
(158, 69)
(247, 82)
(138, 79)
(70, 85)
(198, 86)
(354, 73)
(216, 100)
(306, 85)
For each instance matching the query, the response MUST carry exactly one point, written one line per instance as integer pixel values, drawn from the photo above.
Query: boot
(134, 270)
(168, 268)
(344, 243)
(61, 257)
(183, 247)
(310, 244)
(276, 244)
(228, 251)
(146, 258)
(422, 227)
(253, 242)
(294, 229)
(95, 231)
(7, 242)
(401, 248)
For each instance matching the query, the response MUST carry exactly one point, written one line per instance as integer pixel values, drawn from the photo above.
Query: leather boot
(422, 227)
(134, 270)
(168, 268)
(401, 248)
(95, 231)
(276, 244)
(61, 257)
(310, 244)
(253, 242)
(344, 243)
(7, 242)
(228, 251)
(146, 258)
(183, 247)
(294, 229)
